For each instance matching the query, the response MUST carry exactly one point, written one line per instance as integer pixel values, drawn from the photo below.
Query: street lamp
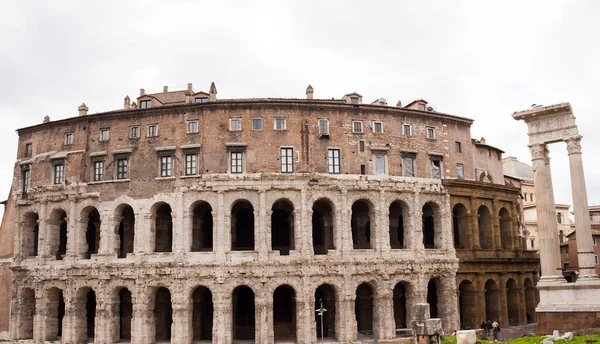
(320, 312)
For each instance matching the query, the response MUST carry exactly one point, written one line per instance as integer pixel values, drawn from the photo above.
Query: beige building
(183, 217)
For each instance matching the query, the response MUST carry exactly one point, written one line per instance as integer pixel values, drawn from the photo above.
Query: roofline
(266, 101)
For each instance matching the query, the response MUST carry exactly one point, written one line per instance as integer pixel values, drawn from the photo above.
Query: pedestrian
(488, 328)
(496, 329)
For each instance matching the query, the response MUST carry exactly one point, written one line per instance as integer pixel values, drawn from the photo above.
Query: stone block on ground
(466, 337)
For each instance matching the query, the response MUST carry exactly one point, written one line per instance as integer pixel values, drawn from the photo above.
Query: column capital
(539, 151)
(574, 145)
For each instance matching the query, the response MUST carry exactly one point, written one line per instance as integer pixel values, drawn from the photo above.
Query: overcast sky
(477, 59)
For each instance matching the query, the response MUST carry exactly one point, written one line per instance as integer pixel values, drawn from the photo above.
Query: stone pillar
(343, 231)
(546, 215)
(418, 223)
(503, 300)
(181, 330)
(262, 244)
(109, 234)
(585, 248)
(222, 240)
(142, 323)
(474, 224)
(180, 243)
(479, 291)
(348, 327)
(514, 228)
(73, 229)
(384, 225)
(222, 319)
(264, 319)
(139, 236)
(71, 325)
(304, 310)
(496, 225)
(384, 315)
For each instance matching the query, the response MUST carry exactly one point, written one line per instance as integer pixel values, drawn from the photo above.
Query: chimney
(190, 87)
(83, 109)
(46, 119)
(142, 92)
(212, 93)
(399, 104)
(309, 92)
(133, 105)
(127, 103)
(165, 89)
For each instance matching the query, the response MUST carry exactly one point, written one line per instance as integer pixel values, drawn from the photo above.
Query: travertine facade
(183, 217)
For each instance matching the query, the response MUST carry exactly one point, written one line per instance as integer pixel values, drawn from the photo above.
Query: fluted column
(585, 248)
(546, 215)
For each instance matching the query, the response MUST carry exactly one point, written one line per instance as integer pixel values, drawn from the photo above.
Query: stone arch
(492, 300)
(432, 226)
(282, 226)
(202, 226)
(486, 229)
(244, 324)
(322, 226)
(325, 296)
(163, 314)
(202, 313)
(505, 228)
(89, 231)
(30, 234)
(126, 231)
(57, 230)
(530, 301)
(467, 297)
(284, 313)
(512, 302)
(361, 222)
(433, 297)
(27, 312)
(163, 227)
(400, 300)
(242, 226)
(398, 217)
(85, 321)
(125, 314)
(55, 314)
(364, 310)
(460, 225)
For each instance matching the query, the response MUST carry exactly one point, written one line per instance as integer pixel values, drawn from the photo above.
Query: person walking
(496, 330)
(488, 328)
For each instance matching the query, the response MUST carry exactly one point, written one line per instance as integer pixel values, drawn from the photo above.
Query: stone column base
(568, 306)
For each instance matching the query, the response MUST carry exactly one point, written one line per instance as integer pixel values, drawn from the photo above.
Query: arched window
(282, 227)
(242, 226)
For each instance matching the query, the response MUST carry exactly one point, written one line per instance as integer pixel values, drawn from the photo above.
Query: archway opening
(163, 315)
(428, 226)
(492, 301)
(92, 232)
(325, 297)
(31, 234)
(432, 298)
(202, 228)
(361, 225)
(282, 227)
(202, 314)
(486, 235)
(125, 314)
(284, 314)
(27, 312)
(399, 298)
(242, 226)
(164, 229)
(243, 313)
(57, 226)
(460, 224)
(363, 310)
(505, 229)
(530, 301)
(322, 227)
(126, 231)
(467, 308)
(396, 219)
(90, 312)
(512, 302)
(56, 314)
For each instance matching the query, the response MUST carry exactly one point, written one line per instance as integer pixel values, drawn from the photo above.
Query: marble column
(546, 215)
(585, 248)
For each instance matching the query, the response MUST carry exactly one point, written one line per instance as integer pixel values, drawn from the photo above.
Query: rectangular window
(361, 146)
(236, 162)
(166, 166)
(460, 171)
(378, 127)
(594, 241)
(596, 258)
(153, 130)
(28, 150)
(98, 170)
(257, 124)
(532, 242)
(406, 129)
(25, 178)
(145, 104)
(333, 161)
(379, 164)
(59, 173)
(421, 107)
(135, 132)
(191, 163)
(69, 139)
(235, 124)
(363, 169)
(357, 126)
(436, 167)
(353, 100)
(458, 147)
(122, 168)
(279, 123)
(201, 100)
(104, 134)
(431, 133)
(558, 217)
(287, 160)
(408, 164)
(192, 127)
(323, 127)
